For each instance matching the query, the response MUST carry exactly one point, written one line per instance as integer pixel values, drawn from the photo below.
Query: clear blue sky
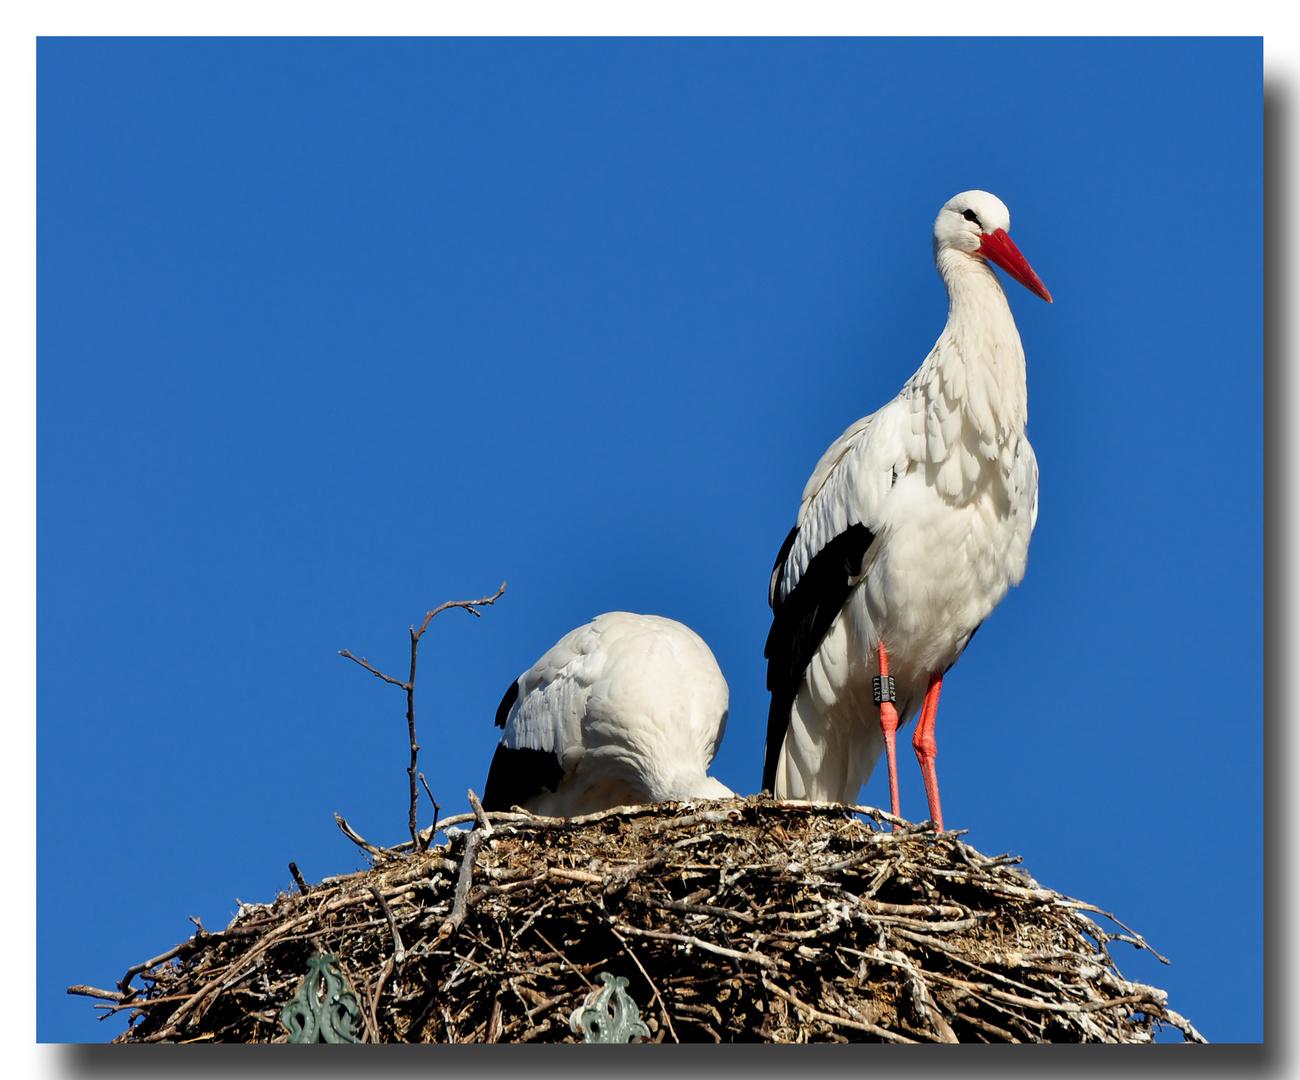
(331, 331)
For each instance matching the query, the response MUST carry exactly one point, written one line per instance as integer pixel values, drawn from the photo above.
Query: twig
(687, 939)
(483, 825)
(297, 877)
(399, 951)
(372, 669)
(95, 992)
(622, 876)
(705, 909)
(367, 1015)
(457, 916)
(838, 1021)
(359, 840)
(437, 808)
(385, 971)
(584, 876)
(576, 970)
(472, 606)
(125, 984)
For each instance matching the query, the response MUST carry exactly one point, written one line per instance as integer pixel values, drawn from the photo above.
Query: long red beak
(998, 248)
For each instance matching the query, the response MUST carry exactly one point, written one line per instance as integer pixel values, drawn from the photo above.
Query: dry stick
(939, 945)
(1184, 1026)
(457, 916)
(386, 971)
(561, 955)
(141, 1005)
(472, 607)
(986, 1026)
(125, 985)
(879, 907)
(483, 825)
(584, 876)
(437, 809)
(297, 877)
(399, 951)
(362, 985)
(623, 876)
(493, 1032)
(359, 840)
(838, 1021)
(1137, 940)
(928, 1008)
(687, 939)
(107, 995)
(704, 909)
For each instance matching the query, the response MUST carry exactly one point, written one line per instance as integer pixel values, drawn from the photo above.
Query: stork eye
(969, 215)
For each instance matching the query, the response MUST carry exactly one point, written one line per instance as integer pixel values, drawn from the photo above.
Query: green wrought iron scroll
(597, 1024)
(324, 1009)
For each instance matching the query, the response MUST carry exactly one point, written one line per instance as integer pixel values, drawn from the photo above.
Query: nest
(735, 921)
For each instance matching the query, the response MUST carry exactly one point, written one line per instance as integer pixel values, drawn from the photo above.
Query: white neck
(978, 359)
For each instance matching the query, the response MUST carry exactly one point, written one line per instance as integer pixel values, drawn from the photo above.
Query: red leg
(888, 726)
(926, 748)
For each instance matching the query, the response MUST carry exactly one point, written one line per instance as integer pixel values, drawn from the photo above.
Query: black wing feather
(518, 774)
(800, 621)
(503, 710)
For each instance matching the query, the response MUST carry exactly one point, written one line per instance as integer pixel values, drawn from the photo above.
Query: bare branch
(359, 840)
(457, 916)
(95, 992)
(437, 809)
(421, 841)
(373, 670)
(483, 825)
(399, 950)
(469, 605)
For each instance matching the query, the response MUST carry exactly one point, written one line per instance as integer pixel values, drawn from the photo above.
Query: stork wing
(824, 553)
(541, 720)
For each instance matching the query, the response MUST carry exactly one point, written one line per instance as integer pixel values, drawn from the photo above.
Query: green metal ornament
(597, 1024)
(324, 1009)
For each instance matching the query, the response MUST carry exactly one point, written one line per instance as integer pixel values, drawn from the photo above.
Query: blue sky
(331, 331)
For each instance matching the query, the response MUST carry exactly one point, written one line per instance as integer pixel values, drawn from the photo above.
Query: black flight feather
(800, 621)
(518, 774)
(503, 710)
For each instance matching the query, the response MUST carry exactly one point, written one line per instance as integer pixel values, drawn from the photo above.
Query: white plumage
(627, 709)
(911, 529)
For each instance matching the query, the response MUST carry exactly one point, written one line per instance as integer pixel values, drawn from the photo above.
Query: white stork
(912, 527)
(626, 709)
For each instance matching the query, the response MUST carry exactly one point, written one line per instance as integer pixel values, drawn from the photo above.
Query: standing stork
(912, 527)
(627, 709)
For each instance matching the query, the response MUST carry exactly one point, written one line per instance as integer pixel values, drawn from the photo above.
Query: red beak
(998, 248)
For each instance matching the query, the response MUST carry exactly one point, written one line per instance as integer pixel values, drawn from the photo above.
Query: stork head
(976, 223)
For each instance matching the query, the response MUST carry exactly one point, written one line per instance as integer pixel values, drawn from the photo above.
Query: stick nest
(734, 921)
